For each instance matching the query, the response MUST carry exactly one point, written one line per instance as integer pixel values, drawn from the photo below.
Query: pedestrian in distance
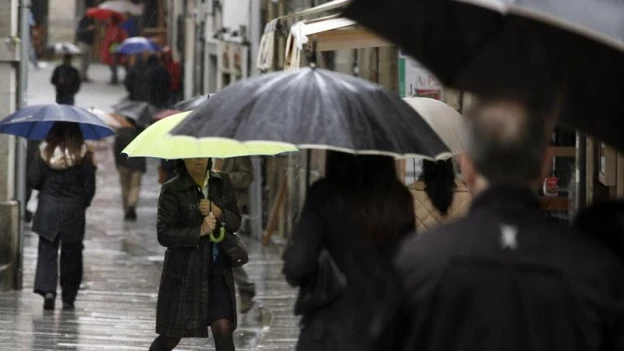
(357, 215)
(240, 171)
(64, 174)
(505, 277)
(85, 37)
(113, 36)
(197, 288)
(66, 80)
(130, 169)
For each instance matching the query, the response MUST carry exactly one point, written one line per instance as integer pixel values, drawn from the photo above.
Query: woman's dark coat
(64, 196)
(325, 223)
(182, 309)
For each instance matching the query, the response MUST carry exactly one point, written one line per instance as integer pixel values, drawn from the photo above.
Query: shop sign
(415, 80)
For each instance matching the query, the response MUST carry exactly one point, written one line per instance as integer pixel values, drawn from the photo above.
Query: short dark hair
(507, 149)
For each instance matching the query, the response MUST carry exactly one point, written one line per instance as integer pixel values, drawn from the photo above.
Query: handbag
(234, 250)
(324, 287)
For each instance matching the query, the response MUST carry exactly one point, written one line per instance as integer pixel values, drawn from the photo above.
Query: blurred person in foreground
(439, 195)
(505, 277)
(357, 215)
(64, 174)
(240, 171)
(66, 80)
(197, 288)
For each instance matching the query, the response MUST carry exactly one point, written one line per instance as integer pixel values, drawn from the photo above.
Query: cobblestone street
(116, 308)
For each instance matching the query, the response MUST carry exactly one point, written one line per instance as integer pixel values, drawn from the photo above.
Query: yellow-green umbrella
(155, 141)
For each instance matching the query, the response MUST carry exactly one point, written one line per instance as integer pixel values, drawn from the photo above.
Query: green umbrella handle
(219, 238)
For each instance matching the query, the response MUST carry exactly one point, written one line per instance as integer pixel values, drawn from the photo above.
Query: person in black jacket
(64, 174)
(149, 82)
(505, 277)
(66, 80)
(358, 214)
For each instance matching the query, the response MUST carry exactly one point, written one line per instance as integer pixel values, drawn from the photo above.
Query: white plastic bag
(31, 205)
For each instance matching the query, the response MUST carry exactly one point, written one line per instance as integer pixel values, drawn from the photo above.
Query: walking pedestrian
(197, 287)
(149, 82)
(439, 196)
(64, 174)
(113, 36)
(85, 37)
(357, 214)
(33, 40)
(175, 72)
(505, 277)
(130, 169)
(240, 171)
(66, 80)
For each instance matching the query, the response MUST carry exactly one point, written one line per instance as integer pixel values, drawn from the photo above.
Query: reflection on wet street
(116, 306)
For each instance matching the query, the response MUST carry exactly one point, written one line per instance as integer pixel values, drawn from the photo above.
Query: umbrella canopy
(122, 6)
(486, 46)
(139, 111)
(34, 122)
(315, 109)
(64, 49)
(136, 45)
(182, 106)
(102, 14)
(156, 141)
(106, 117)
(443, 119)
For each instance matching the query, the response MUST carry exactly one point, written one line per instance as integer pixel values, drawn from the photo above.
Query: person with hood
(504, 277)
(439, 196)
(64, 174)
(197, 288)
(66, 80)
(113, 36)
(175, 72)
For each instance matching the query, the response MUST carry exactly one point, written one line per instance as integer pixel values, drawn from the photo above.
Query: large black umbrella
(315, 109)
(541, 46)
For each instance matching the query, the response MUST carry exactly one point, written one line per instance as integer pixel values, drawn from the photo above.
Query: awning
(339, 33)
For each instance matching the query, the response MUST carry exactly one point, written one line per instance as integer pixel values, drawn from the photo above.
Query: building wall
(61, 20)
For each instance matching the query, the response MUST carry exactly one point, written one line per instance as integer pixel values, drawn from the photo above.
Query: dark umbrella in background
(574, 47)
(183, 106)
(139, 111)
(313, 108)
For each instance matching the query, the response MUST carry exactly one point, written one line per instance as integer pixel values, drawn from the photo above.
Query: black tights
(221, 331)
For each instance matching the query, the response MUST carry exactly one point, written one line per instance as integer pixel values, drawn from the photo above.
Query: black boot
(48, 301)
(131, 214)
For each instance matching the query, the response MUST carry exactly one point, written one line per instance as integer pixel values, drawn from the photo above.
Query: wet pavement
(116, 308)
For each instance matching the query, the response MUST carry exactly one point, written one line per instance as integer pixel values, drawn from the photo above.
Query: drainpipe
(21, 144)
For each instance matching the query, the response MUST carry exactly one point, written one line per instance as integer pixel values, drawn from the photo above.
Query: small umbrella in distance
(139, 111)
(105, 117)
(313, 108)
(545, 48)
(155, 141)
(34, 122)
(137, 45)
(447, 122)
(122, 6)
(64, 49)
(183, 106)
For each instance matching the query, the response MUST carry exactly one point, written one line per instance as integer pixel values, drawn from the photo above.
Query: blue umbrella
(34, 122)
(136, 45)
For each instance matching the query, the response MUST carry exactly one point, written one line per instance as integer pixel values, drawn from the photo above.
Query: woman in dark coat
(358, 213)
(197, 287)
(64, 174)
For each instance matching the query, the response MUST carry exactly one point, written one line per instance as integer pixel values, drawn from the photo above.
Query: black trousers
(46, 276)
